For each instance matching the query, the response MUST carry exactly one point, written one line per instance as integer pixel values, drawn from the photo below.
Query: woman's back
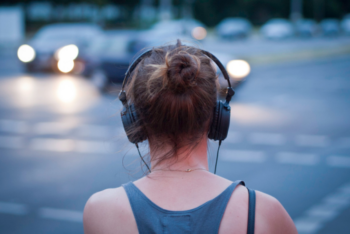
(110, 211)
(171, 101)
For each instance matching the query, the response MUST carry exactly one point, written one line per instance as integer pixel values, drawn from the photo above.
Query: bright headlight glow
(199, 33)
(25, 84)
(67, 91)
(238, 68)
(65, 65)
(68, 52)
(26, 53)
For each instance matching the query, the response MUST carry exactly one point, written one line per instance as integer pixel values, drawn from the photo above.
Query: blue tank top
(203, 219)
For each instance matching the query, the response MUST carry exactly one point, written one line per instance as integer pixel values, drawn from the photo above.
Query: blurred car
(119, 47)
(182, 27)
(306, 28)
(277, 29)
(234, 28)
(237, 69)
(345, 24)
(113, 53)
(330, 27)
(60, 48)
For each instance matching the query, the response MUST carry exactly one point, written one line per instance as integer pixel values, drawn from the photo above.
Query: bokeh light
(199, 33)
(25, 84)
(68, 52)
(65, 65)
(66, 91)
(238, 68)
(26, 53)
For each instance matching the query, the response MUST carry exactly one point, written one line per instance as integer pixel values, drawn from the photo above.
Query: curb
(298, 55)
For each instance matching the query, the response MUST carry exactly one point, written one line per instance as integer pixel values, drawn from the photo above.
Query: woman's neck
(189, 158)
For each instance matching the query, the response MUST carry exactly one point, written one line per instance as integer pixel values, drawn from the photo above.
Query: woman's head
(174, 92)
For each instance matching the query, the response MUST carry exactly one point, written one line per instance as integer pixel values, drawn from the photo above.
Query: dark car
(330, 27)
(120, 47)
(60, 48)
(114, 53)
(306, 28)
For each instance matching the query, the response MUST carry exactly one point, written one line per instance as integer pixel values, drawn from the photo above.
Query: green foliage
(211, 12)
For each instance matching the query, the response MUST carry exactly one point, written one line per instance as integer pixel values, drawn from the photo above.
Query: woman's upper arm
(92, 215)
(101, 212)
(271, 217)
(107, 212)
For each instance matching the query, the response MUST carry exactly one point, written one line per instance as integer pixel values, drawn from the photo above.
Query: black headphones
(221, 118)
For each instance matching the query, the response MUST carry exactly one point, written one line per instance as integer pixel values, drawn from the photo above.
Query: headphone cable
(137, 146)
(217, 156)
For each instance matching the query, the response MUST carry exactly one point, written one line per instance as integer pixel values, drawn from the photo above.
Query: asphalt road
(61, 141)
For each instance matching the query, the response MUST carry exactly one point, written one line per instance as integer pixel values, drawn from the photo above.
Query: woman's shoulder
(108, 211)
(270, 215)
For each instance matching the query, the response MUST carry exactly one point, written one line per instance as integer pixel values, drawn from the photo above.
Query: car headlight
(68, 52)
(26, 53)
(65, 65)
(238, 69)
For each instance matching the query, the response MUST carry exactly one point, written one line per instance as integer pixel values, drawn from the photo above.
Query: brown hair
(174, 91)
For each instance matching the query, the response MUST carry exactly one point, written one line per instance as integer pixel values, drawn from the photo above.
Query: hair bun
(182, 72)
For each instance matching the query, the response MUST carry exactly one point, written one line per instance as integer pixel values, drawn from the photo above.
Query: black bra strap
(251, 211)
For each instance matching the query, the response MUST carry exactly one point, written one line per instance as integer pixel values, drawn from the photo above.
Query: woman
(174, 92)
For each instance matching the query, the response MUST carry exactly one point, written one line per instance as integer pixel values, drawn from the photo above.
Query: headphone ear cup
(131, 122)
(214, 123)
(221, 122)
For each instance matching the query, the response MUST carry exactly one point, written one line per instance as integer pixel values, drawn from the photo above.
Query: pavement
(61, 141)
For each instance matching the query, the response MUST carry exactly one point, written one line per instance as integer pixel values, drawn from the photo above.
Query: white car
(182, 27)
(234, 28)
(277, 29)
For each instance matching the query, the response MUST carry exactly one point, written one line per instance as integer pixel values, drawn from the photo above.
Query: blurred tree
(211, 12)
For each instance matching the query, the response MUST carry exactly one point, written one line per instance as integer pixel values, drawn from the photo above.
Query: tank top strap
(146, 219)
(213, 212)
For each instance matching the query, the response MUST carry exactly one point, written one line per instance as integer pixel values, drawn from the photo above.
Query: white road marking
(59, 214)
(93, 147)
(312, 140)
(307, 226)
(242, 156)
(95, 131)
(54, 128)
(345, 142)
(338, 161)
(13, 208)
(267, 139)
(13, 126)
(339, 199)
(297, 158)
(329, 208)
(233, 137)
(11, 142)
(345, 189)
(49, 144)
(324, 212)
